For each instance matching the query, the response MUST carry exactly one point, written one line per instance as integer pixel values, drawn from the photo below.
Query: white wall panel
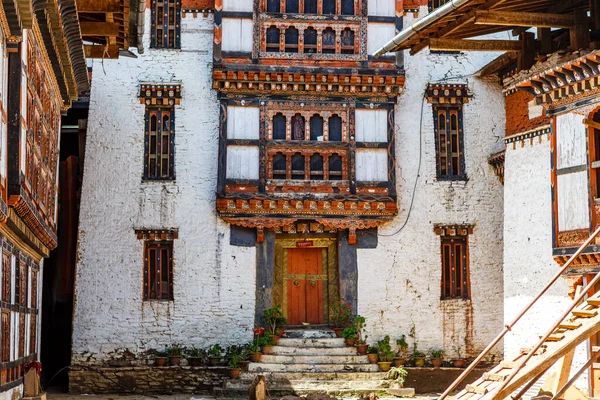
(237, 5)
(242, 162)
(382, 8)
(570, 141)
(573, 209)
(243, 122)
(237, 34)
(371, 125)
(378, 34)
(371, 165)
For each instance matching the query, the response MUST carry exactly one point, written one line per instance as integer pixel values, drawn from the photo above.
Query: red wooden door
(305, 280)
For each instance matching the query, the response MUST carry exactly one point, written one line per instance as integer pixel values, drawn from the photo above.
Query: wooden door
(305, 284)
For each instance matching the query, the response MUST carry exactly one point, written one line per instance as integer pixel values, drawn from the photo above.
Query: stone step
(279, 367)
(321, 343)
(307, 351)
(313, 359)
(321, 376)
(313, 384)
(302, 333)
(339, 393)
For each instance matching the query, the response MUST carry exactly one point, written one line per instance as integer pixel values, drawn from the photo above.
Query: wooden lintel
(101, 51)
(99, 6)
(591, 123)
(499, 63)
(99, 29)
(526, 19)
(473, 45)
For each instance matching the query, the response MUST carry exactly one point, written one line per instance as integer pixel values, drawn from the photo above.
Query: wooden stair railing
(575, 325)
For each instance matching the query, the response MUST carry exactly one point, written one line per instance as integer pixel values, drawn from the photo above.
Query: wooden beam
(101, 51)
(527, 19)
(99, 6)
(526, 57)
(473, 45)
(580, 32)
(99, 29)
(499, 63)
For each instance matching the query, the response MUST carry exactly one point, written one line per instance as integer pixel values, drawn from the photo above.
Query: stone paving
(65, 396)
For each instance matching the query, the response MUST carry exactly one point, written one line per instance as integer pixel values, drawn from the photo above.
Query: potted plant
(245, 356)
(397, 375)
(459, 361)
(349, 334)
(385, 354)
(195, 356)
(267, 342)
(372, 354)
(340, 315)
(174, 352)
(361, 342)
(275, 321)
(234, 355)
(437, 357)
(402, 347)
(418, 357)
(160, 358)
(255, 354)
(214, 354)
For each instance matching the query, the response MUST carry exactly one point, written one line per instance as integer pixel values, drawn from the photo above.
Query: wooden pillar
(526, 56)
(580, 33)
(595, 14)
(545, 38)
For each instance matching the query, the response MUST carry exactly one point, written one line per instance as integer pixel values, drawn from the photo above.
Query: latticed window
(159, 143)
(449, 143)
(455, 267)
(328, 7)
(5, 335)
(158, 270)
(6, 276)
(23, 289)
(21, 335)
(34, 284)
(166, 22)
(33, 334)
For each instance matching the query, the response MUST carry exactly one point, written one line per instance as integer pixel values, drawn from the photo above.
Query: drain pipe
(418, 26)
(141, 21)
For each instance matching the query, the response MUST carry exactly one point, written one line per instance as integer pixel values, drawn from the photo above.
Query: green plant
(417, 354)
(215, 350)
(340, 314)
(274, 318)
(373, 350)
(359, 325)
(385, 349)
(234, 354)
(402, 344)
(397, 374)
(175, 350)
(234, 360)
(194, 351)
(161, 353)
(458, 352)
(349, 333)
(246, 350)
(266, 339)
(437, 353)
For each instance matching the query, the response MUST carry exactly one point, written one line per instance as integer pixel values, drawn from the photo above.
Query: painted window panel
(242, 162)
(237, 34)
(165, 30)
(371, 165)
(243, 122)
(455, 268)
(382, 8)
(237, 5)
(371, 126)
(573, 209)
(158, 270)
(378, 34)
(570, 141)
(159, 144)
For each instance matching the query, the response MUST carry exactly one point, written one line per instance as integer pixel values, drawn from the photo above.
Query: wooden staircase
(513, 378)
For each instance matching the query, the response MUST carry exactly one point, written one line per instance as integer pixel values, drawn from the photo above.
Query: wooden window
(273, 6)
(33, 334)
(291, 40)
(316, 167)
(316, 127)
(279, 122)
(5, 335)
(298, 127)
(21, 335)
(273, 39)
(158, 270)
(449, 143)
(24, 284)
(310, 6)
(291, 6)
(329, 6)
(347, 41)
(455, 267)
(328, 41)
(34, 284)
(335, 128)
(298, 166)
(17, 280)
(6, 276)
(159, 143)
(433, 4)
(279, 166)
(165, 31)
(347, 7)
(335, 168)
(310, 40)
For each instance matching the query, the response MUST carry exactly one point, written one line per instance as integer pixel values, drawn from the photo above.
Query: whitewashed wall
(405, 269)
(214, 283)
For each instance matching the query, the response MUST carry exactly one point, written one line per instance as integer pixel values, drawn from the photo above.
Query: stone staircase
(307, 361)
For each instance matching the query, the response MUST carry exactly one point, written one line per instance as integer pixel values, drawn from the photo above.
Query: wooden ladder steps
(594, 301)
(505, 364)
(570, 325)
(488, 376)
(584, 313)
(555, 337)
(476, 389)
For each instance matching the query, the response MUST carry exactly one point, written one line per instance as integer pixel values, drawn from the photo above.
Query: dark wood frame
(163, 43)
(159, 248)
(160, 112)
(447, 154)
(450, 289)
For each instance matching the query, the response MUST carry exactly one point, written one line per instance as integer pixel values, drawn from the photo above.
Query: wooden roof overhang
(446, 27)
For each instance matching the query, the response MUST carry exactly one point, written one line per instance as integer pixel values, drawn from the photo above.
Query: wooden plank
(555, 337)
(473, 45)
(527, 19)
(99, 29)
(564, 368)
(499, 63)
(570, 325)
(595, 125)
(99, 6)
(101, 51)
(584, 313)
(595, 302)
(506, 364)
(493, 377)
(476, 389)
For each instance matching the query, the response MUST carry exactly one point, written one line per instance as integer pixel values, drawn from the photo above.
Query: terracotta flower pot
(384, 366)
(275, 339)
(194, 361)
(243, 365)
(398, 361)
(174, 360)
(361, 349)
(372, 358)
(234, 373)
(350, 342)
(437, 362)
(256, 356)
(338, 331)
(267, 349)
(214, 360)
(459, 363)
(279, 331)
(160, 361)
(419, 362)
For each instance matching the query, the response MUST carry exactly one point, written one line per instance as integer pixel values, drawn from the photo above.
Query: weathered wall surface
(405, 269)
(214, 283)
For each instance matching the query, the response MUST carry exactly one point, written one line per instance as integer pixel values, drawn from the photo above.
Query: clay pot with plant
(195, 356)
(234, 354)
(349, 334)
(459, 361)
(174, 352)
(401, 351)
(160, 358)
(255, 354)
(361, 340)
(372, 354)
(340, 315)
(385, 354)
(215, 353)
(275, 321)
(397, 376)
(437, 357)
(418, 357)
(266, 343)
